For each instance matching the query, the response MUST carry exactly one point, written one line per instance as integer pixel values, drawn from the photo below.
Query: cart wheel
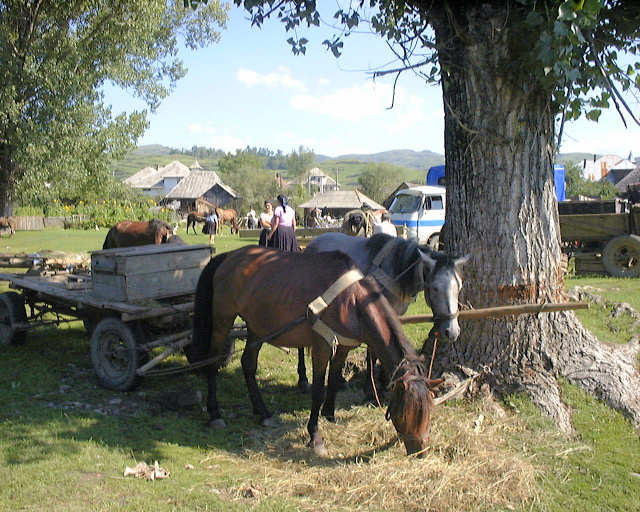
(621, 256)
(12, 312)
(114, 355)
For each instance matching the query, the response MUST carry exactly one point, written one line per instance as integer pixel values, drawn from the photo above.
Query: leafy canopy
(57, 57)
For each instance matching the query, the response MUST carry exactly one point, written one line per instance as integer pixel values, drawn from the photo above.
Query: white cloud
(601, 139)
(281, 78)
(365, 102)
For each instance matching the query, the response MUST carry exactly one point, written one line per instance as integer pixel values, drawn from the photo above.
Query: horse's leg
(303, 382)
(221, 351)
(215, 418)
(320, 357)
(335, 382)
(249, 366)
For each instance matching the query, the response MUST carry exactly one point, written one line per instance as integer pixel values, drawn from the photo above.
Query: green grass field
(65, 441)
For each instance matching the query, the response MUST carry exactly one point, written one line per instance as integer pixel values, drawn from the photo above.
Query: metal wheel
(621, 256)
(12, 312)
(115, 355)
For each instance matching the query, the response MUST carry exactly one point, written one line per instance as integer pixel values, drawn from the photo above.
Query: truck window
(404, 203)
(436, 203)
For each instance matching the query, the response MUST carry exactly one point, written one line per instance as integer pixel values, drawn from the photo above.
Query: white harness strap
(319, 304)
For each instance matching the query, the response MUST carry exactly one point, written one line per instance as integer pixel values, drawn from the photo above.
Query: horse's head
(442, 284)
(410, 405)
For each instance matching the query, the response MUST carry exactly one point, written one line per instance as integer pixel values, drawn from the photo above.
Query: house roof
(630, 179)
(594, 169)
(304, 177)
(341, 199)
(196, 184)
(148, 177)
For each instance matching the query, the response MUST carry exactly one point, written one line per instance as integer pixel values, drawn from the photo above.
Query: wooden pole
(516, 309)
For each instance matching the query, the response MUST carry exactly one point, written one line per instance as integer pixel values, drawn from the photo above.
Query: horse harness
(315, 309)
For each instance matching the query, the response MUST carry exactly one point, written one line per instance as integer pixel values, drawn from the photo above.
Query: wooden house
(339, 202)
(157, 182)
(200, 189)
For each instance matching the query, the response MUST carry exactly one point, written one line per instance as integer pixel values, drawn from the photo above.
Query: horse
(10, 223)
(403, 269)
(230, 216)
(129, 233)
(192, 219)
(317, 296)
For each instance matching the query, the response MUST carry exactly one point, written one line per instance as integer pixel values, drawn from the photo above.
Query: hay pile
(468, 466)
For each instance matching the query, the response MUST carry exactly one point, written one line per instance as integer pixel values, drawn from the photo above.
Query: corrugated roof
(344, 199)
(194, 185)
(141, 175)
(175, 169)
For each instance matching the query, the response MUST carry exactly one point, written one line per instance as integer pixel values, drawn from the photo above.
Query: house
(600, 168)
(159, 181)
(199, 189)
(315, 180)
(339, 202)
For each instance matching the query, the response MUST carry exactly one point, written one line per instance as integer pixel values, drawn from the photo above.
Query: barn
(199, 189)
(339, 202)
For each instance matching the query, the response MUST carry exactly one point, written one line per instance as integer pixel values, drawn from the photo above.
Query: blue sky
(249, 89)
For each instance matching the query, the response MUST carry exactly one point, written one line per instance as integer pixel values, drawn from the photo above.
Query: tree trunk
(6, 179)
(501, 209)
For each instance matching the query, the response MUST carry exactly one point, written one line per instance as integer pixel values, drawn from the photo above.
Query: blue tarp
(436, 174)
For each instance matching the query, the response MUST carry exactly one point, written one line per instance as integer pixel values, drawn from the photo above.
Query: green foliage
(577, 185)
(378, 181)
(55, 60)
(300, 161)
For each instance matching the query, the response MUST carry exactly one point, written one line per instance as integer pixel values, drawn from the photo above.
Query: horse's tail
(109, 242)
(200, 344)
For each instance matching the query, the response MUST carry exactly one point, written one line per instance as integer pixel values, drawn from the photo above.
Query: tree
(578, 186)
(509, 70)
(378, 181)
(55, 59)
(298, 162)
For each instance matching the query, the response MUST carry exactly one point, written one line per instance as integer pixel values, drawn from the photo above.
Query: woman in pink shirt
(283, 227)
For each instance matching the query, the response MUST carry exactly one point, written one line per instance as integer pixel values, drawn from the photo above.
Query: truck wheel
(114, 354)
(12, 312)
(434, 242)
(621, 256)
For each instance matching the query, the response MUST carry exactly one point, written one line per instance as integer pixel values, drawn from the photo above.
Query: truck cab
(421, 211)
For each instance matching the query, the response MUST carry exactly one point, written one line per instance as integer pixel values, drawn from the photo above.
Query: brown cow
(8, 222)
(129, 233)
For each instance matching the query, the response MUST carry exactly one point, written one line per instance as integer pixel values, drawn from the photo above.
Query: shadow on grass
(54, 400)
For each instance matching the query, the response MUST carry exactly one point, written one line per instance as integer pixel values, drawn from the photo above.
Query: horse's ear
(458, 262)
(427, 260)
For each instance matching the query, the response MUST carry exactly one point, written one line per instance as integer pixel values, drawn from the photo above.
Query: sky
(250, 90)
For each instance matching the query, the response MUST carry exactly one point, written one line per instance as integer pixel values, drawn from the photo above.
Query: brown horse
(273, 291)
(230, 216)
(130, 232)
(192, 219)
(8, 222)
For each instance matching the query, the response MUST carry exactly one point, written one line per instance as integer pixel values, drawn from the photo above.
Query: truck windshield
(404, 203)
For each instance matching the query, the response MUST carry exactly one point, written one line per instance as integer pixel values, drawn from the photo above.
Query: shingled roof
(341, 199)
(148, 177)
(196, 184)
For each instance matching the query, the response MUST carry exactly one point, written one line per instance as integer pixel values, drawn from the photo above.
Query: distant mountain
(401, 157)
(152, 150)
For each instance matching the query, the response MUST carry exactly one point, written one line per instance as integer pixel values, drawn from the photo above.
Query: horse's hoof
(319, 449)
(271, 421)
(304, 386)
(330, 419)
(217, 424)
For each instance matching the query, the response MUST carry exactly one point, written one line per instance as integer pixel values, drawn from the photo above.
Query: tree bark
(501, 209)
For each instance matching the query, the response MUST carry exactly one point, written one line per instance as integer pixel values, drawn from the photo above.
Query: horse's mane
(156, 224)
(405, 254)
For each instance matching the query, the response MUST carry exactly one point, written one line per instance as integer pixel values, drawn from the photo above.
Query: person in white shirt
(385, 226)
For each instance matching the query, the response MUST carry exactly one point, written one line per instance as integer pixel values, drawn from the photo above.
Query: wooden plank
(107, 260)
(516, 309)
(593, 227)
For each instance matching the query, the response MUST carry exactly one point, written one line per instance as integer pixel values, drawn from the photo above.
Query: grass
(65, 441)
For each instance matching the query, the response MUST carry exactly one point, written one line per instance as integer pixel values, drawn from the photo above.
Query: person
(385, 226)
(283, 227)
(251, 219)
(264, 221)
(211, 225)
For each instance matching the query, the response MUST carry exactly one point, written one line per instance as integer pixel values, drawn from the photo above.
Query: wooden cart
(135, 301)
(602, 236)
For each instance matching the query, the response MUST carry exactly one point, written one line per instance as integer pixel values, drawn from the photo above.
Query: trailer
(134, 302)
(602, 236)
